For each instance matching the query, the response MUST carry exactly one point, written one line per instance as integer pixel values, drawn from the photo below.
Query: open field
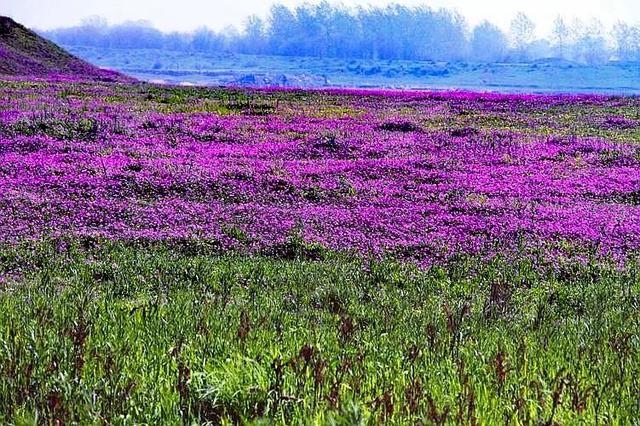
(411, 175)
(175, 255)
(543, 76)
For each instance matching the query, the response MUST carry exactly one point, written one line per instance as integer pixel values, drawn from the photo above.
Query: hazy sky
(217, 14)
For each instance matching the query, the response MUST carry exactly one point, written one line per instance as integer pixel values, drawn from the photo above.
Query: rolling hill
(25, 53)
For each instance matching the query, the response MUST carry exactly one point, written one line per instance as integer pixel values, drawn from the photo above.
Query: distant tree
(395, 21)
(312, 31)
(522, 33)
(283, 32)
(627, 39)
(254, 35)
(374, 33)
(540, 49)
(177, 41)
(560, 37)
(205, 40)
(135, 34)
(448, 36)
(488, 43)
(230, 39)
(590, 45)
(345, 34)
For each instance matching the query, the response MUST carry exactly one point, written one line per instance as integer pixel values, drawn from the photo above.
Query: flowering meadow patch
(423, 176)
(173, 255)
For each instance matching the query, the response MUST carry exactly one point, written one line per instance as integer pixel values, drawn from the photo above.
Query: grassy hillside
(24, 53)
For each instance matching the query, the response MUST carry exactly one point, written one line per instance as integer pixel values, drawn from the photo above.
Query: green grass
(118, 334)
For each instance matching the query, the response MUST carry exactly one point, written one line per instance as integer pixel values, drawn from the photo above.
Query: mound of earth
(25, 53)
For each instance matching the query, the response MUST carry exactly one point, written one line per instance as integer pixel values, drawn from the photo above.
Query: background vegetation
(393, 32)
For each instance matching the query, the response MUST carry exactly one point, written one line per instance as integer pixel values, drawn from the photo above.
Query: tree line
(394, 32)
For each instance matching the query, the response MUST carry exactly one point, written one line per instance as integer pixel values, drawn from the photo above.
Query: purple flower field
(200, 255)
(418, 176)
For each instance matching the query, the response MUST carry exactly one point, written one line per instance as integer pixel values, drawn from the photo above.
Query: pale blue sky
(217, 14)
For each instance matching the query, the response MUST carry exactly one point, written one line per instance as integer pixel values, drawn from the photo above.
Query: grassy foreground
(117, 334)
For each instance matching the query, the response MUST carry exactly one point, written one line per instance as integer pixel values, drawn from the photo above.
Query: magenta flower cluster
(413, 175)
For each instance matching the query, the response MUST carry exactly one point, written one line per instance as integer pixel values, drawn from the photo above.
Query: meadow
(178, 255)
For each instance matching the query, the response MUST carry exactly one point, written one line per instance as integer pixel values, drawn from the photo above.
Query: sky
(186, 15)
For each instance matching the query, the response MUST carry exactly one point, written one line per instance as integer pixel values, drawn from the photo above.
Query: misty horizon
(194, 14)
(390, 32)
